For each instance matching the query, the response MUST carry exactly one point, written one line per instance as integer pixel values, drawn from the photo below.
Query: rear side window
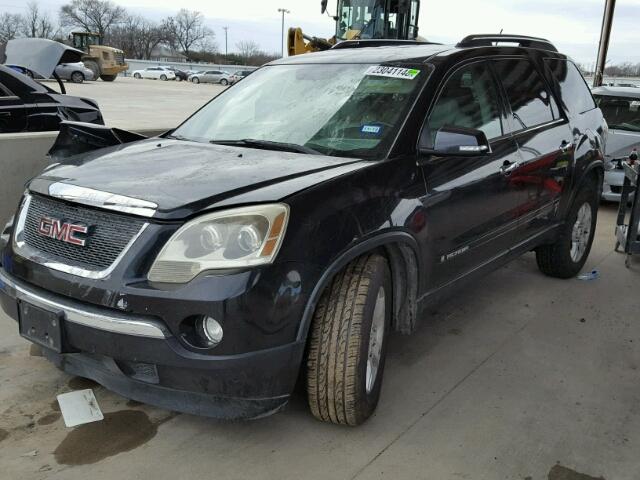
(575, 93)
(469, 99)
(531, 102)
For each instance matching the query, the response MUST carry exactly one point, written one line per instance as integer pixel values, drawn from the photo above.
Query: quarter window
(531, 102)
(575, 93)
(469, 99)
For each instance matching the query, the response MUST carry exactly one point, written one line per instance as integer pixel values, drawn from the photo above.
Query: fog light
(209, 330)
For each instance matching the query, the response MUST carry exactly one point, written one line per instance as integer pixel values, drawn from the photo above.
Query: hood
(38, 55)
(621, 142)
(184, 178)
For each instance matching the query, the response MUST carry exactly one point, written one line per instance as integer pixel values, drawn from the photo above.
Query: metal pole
(603, 47)
(282, 39)
(226, 44)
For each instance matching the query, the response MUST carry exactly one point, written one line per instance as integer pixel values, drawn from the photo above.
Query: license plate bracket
(41, 326)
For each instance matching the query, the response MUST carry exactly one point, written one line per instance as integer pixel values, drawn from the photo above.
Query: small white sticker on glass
(392, 72)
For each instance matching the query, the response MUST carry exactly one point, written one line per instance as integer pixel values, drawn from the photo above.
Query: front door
(472, 206)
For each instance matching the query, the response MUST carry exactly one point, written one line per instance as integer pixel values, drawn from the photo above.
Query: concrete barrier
(22, 157)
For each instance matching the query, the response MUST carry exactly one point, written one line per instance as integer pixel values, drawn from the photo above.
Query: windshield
(339, 110)
(622, 113)
(361, 19)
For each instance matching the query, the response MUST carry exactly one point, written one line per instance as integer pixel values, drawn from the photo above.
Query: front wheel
(195, 80)
(224, 82)
(77, 77)
(566, 257)
(163, 77)
(108, 78)
(347, 347)
(137, 76)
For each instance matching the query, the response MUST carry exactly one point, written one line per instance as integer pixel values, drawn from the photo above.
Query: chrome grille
(109, 234)
(119, 57)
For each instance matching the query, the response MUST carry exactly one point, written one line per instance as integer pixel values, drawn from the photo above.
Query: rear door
(12, 112)
(472, 205)
(544, 139)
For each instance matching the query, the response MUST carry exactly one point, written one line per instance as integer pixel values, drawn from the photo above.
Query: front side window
(531, 102)
(621, 113)
(469, 99)
(575, 93)
(336, 109)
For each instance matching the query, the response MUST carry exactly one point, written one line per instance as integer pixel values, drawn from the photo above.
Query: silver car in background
(74, 72)
(621, 108)
(213, 76)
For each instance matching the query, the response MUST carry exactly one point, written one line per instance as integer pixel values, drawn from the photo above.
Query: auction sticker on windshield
(392, 72)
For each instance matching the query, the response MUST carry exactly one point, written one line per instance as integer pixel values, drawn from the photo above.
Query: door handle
(566, 147)
(508, 167)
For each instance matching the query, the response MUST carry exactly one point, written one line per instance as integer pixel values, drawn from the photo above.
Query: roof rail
(377, 43)
(487, 40)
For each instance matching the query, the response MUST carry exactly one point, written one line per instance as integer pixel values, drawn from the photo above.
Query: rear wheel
(77, 77)
(566, 257)
(195, 80)
(224, 82)
(347, 347)
(137, 76)
(108, 78)
(163, 77)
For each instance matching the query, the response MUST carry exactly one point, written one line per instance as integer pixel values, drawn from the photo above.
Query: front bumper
(612, 185)
(139, 358)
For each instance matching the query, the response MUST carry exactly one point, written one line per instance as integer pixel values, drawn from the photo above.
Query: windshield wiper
(626, 127)
(267, 145)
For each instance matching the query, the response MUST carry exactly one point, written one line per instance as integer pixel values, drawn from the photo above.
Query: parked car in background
(28, 106)
(621, 108)
(240, 74)
(180, 75)
(212, 76)
(74, 72)
(286, 228)
(155, 73)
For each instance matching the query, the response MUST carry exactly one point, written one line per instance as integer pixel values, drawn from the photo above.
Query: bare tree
(36, 23)
(137, 36)
(187, 30)
(247, 49)
(10, 26)
(92, 15)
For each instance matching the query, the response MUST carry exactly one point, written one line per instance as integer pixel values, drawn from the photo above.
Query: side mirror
(455, 141)
(323, 6)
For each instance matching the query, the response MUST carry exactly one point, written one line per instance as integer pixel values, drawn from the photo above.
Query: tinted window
(530, 100)
(469, 99)
(575, 93)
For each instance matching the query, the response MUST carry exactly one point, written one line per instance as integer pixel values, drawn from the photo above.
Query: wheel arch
(402, 253)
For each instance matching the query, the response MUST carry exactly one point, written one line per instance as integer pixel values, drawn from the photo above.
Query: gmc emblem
(63, 231)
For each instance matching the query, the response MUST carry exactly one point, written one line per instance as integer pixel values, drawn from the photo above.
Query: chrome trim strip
(25, 251)
(100, 199)
(87, 316)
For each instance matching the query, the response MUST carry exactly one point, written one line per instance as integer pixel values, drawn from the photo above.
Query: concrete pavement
(517, 377)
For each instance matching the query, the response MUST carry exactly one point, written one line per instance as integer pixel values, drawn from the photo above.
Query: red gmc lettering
(63, 231)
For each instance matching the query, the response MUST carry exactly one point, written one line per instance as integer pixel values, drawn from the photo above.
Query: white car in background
(74, 72)
(621, 109)
(155, 73)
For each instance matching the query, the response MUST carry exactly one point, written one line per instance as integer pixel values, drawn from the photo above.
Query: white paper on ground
(79, 407)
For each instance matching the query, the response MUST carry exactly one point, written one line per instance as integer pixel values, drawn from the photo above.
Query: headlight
(242, 237)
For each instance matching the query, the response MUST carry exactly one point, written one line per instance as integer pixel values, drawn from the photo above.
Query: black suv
(296, 220)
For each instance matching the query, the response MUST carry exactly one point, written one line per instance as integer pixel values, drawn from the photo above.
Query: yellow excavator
(361, 20)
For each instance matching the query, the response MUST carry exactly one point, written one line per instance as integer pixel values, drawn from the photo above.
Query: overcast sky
(573, 25)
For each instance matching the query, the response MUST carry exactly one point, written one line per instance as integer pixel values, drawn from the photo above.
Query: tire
(77, 77)
(108, 78)
(339, 389)
(137, 76)
(94, 67)
(163, 77)
(566, 257)
(178, 79)
(224, 82)
(195, 80)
